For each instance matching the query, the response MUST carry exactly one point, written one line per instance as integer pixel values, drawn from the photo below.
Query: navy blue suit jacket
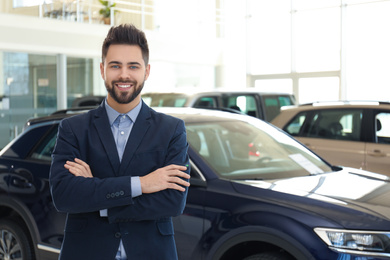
(143, 223)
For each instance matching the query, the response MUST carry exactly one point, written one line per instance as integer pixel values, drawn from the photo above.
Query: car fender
(260, 234)
(25, 214)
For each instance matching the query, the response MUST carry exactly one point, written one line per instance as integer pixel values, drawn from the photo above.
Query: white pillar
(61, 82)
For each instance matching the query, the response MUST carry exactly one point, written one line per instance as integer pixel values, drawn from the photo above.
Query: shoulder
(164, 121)
(84, 118)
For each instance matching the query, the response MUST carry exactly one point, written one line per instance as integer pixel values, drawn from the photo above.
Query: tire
(269, 256)
(14, 242)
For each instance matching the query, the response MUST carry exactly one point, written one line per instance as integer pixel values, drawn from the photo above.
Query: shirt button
(122, 132)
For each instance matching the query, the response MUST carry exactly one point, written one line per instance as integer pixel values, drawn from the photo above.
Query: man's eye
(115, 66)
(133, 67)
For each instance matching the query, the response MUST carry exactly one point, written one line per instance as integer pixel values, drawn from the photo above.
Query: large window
(28, 87)
(328, 49)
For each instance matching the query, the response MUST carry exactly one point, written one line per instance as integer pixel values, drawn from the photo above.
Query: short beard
(123, 98)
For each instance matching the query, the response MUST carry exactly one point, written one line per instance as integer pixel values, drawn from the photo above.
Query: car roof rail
(73, 110)
(351, 102)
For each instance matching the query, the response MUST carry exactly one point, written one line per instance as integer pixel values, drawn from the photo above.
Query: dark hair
(126, 34)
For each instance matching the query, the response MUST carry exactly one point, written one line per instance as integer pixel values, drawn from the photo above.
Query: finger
(77, 169)
(176, 187)
(180, 181)
(84, 164)
(176, 167)
(179, 174)
(74, 164)
(72, 170)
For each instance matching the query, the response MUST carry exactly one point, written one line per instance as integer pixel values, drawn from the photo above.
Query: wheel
(269, 256)
(14, 242)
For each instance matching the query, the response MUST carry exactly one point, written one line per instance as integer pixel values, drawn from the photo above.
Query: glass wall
(79, 78)
(329, 49)
(28, 88)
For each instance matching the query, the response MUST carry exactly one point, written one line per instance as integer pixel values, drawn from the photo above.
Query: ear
(147, 71)
(102, 70)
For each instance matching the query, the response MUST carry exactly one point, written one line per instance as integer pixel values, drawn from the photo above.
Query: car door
(245, 103)
(378, 151)
(27, 162)
(189, 226)
(206, 102)
(333, 134)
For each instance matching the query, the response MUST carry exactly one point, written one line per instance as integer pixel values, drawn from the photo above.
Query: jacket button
(118, 235)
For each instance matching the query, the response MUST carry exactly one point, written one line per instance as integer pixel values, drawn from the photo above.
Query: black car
(255, 193)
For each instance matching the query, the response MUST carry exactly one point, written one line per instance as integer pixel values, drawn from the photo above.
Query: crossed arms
(168, 177)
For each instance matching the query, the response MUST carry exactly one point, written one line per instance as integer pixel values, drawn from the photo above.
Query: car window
(329, 124)
(45, 148)
(239, 150)
(294, 127)
(206, 102)
(335, 124)
(285, 101)
(273, 104)
(165, 100)
(383, 128)
(242, 103)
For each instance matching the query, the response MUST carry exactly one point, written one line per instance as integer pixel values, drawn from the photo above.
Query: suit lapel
(140, 128)
(103, 129)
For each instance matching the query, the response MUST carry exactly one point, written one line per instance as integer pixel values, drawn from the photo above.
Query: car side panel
(378, 158)
(337, 152)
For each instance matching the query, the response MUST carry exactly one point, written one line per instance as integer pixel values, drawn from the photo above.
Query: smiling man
(120, 171)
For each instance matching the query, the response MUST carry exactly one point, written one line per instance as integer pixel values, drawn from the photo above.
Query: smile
(124, 86)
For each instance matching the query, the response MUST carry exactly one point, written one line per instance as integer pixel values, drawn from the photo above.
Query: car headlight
(370, 243)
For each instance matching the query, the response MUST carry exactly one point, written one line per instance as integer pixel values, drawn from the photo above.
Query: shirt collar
(113, 114)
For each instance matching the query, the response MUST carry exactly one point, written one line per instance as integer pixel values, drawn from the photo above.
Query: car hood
(350, 188)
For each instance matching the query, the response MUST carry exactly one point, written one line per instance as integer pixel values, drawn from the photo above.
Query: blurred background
(318, 50)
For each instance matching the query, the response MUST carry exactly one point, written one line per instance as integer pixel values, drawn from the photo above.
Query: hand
(168, 177)
(79, 168)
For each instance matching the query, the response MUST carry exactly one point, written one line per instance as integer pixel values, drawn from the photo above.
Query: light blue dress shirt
(121, 125)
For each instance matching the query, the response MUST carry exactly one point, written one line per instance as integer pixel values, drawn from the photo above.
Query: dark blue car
(255, 194)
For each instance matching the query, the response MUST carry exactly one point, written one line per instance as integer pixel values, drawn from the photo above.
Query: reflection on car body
(280, 202)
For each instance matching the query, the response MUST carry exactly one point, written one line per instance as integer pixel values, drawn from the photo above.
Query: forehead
(124, 53)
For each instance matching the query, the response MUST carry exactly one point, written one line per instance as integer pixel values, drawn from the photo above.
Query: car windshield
(251, 150)
(165, 100)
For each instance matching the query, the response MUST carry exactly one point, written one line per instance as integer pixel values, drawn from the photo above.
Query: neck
(123, 108)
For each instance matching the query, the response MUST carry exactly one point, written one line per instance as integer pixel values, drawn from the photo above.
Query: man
(120, 171)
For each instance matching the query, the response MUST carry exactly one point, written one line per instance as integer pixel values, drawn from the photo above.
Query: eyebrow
(129, 63)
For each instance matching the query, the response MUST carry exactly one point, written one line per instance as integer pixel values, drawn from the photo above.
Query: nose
(124, 73)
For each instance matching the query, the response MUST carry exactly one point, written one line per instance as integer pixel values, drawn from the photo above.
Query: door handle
(376, 153)
(21, 183)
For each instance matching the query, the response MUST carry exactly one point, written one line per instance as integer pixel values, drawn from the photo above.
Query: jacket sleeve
(166, 203)
(74, 194)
